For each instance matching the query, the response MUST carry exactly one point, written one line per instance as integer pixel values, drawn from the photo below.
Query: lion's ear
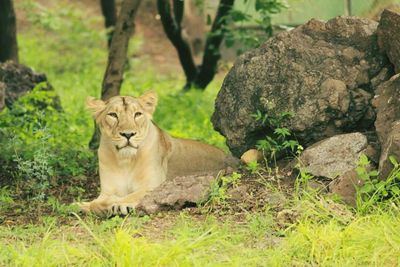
(96, 106)
(149, 101)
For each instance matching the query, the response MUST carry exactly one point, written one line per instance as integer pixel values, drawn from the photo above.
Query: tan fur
(128, 173)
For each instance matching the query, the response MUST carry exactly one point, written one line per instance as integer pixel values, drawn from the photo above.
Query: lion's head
(124, 120)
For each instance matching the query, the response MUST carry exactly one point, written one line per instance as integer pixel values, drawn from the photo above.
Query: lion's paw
(84, 206)
(99, 208)
(122, 208)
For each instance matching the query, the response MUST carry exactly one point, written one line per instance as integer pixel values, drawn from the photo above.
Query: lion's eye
(138, 114)
(113, 114)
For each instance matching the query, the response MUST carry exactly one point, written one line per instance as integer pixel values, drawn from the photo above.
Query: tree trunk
(119, 46)
(198, 77)
(117, 56)
(347, 7)
(212, 52)
(171, 21)
(110, 17)
(8, 32)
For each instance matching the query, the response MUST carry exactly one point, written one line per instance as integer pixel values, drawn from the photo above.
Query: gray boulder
(320, 71)
(182, 191)
(332, 157)
(389, 36)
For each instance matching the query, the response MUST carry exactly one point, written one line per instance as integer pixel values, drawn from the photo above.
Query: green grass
(70, 49)
(372, 240)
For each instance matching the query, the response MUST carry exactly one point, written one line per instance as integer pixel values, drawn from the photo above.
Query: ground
(266, 216)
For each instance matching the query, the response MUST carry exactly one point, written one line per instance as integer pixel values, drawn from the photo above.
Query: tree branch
(178, 11)
(212, 53)
(173, 30)
(110, 17)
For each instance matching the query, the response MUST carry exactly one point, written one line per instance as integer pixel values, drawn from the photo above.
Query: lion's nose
(127, 135)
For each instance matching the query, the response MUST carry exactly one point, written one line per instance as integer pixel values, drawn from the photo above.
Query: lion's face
(124, 120)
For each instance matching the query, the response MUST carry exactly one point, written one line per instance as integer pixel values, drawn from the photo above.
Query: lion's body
(130, 168)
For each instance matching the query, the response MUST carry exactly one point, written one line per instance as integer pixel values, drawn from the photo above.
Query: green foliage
(60, 208)
(375, 190)
(36, 172)
(49, 144)
(189, 241)
(278, 142)
(254, 13)
(219, 189)
(37, 143)
(302, 180)
(52, 145)
(5, 196)
(253, 167)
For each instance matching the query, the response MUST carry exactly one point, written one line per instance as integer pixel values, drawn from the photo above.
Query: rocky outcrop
(345, 187)
(324, 73)
(391, 148)
(389, 36)
(182, 191)
(332, 157)
(387, 104)
(18, 79)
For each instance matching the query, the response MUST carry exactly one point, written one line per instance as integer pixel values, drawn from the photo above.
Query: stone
(387, 105)
(345, 187)
(178, 193)
(389, 36)
(19, 79)
(251, 155)
(320, 71)
(391, 147)
(334, 156)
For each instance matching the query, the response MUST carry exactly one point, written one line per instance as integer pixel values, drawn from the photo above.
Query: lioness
(136, 156)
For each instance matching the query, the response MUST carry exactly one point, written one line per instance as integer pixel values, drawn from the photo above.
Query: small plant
(5, 195)
(279, 142)
(375, 190)
(253, 167)
(302, 179)
(219, 188)
(36, 172)
(61, 208)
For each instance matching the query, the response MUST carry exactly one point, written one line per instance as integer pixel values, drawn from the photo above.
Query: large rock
(182, 191)
(346, 187)
(391, 147)
(389, 36)
(17, 79)
(321, 72)
(387, 104)
(334, 156)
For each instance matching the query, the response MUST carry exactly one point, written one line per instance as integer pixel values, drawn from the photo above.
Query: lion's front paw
(100, 208)
(122, 208)
(84, 206)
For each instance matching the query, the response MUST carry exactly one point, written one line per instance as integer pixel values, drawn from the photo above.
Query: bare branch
(110, 17)
(178, 11)
(174, 34)
(214, 39)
